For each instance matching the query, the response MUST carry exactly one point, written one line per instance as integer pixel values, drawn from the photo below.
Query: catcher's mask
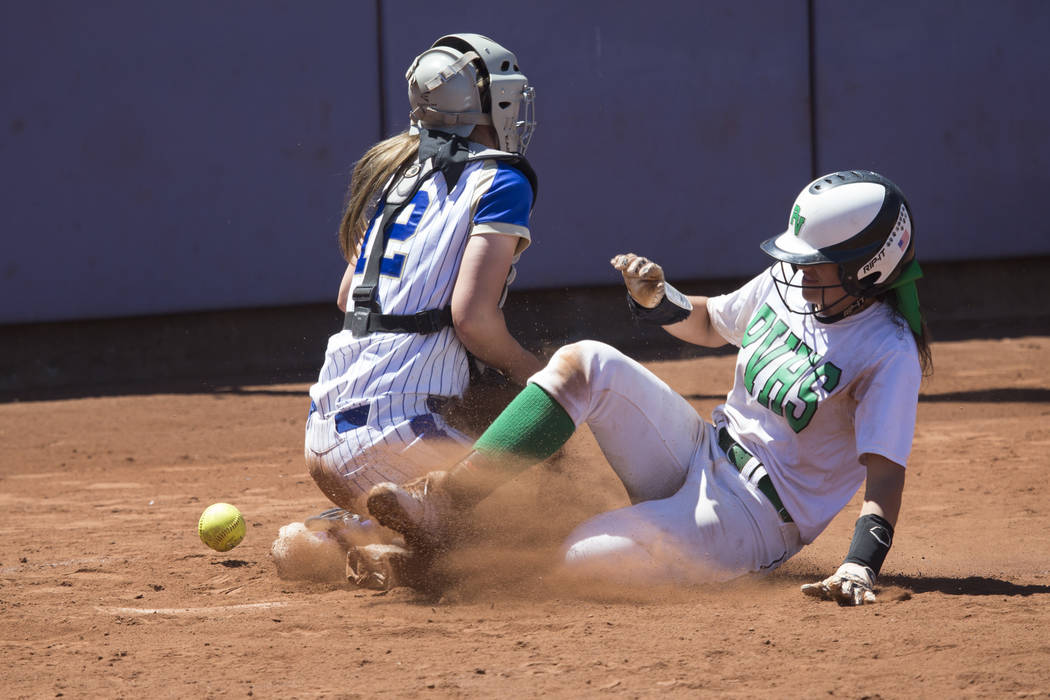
(856, 219)
(468, 79)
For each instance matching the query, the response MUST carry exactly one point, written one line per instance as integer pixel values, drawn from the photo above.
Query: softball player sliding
(437, 217)
(832, 348)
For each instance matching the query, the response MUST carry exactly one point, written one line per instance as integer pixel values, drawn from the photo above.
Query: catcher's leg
(347, 460)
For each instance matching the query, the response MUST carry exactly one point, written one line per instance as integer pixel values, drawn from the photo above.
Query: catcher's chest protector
(450, 155)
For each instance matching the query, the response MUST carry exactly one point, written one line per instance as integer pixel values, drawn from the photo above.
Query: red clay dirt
(106, 591)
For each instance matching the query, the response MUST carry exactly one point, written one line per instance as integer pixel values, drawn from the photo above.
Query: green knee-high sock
(530, 429)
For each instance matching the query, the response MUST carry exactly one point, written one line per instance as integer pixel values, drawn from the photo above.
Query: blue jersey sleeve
(508, 199)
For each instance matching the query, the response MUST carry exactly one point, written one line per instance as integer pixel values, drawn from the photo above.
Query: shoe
(421, 510)
(345, 526)
(381, 567)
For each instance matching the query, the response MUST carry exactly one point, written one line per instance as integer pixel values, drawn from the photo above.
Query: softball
(221, 527)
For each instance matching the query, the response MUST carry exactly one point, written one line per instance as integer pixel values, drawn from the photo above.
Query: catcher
(436, 219)
(832, 349)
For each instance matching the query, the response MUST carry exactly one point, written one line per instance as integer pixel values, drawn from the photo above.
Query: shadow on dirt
(257, 391)
(970, 585)
(233, 563)
(245, 351)
(964, 586)
(1004, 395)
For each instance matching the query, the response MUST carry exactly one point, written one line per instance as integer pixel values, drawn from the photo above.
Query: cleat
(421, 510)
(322, 521)
(348, 528)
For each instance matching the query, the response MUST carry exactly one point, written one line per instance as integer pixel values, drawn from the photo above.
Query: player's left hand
(644, 278)
(852, 584)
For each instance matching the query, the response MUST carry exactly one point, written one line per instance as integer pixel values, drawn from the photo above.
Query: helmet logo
(892, 251)
(797, 219)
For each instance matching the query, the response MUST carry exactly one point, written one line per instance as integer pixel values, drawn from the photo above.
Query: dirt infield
(105, 589)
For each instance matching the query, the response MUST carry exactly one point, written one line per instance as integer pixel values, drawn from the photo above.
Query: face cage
(526, 123)
(783, 281)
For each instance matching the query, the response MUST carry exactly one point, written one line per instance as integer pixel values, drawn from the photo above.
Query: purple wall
(164, 158)
(952, 101)
(170, 157)
(675, 130)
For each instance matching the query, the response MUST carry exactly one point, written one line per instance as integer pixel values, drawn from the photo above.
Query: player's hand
(852, 584)
(643, 277)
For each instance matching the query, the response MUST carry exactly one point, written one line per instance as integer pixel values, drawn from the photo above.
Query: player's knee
(613, 559)
(581, 357)
(574, 372)
(586, 348)
(338, 489)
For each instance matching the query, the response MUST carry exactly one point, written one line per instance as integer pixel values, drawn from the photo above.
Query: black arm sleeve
(872, 538)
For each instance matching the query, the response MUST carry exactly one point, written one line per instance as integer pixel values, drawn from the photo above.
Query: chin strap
(908, 296)
(907, 300)
(855, 306)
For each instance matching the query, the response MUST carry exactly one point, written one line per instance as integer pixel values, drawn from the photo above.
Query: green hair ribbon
(908, 296)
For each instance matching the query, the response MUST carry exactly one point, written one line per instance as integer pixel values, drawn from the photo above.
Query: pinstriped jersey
(418, 272)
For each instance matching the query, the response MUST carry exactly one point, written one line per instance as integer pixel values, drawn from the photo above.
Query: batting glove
(852, 584)
(643, 277)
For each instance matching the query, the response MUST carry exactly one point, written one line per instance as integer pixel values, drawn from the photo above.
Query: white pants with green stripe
(694, 518)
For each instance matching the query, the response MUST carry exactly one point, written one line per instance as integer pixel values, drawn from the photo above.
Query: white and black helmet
(468, 79)
(856, 219)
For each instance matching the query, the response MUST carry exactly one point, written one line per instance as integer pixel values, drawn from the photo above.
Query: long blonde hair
(376, 166)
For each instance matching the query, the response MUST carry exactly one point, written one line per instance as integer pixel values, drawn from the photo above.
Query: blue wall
(161, 158)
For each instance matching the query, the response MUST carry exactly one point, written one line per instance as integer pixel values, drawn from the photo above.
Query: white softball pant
(694, 518)
(393, 438)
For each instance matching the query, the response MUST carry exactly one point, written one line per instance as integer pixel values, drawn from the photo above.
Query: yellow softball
(221, 527)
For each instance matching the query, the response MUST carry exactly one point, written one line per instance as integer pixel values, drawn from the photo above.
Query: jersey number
(392, 263)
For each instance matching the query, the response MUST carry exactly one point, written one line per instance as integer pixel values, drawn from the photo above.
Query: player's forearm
(883, 488)
(487, 338)
(697, 328)
(873, 531)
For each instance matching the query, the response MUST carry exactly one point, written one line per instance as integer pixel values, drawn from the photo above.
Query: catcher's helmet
(468, 79)
(857, 219)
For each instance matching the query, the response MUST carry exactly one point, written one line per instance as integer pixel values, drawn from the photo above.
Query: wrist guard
(673, 308)
(872, 538)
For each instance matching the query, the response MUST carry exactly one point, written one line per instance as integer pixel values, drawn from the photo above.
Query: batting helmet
(468, 79)
(856, 219)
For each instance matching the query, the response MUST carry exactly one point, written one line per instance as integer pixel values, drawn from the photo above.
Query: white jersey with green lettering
(809, 398)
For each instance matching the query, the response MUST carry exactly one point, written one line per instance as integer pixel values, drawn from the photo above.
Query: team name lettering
(795, 377)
